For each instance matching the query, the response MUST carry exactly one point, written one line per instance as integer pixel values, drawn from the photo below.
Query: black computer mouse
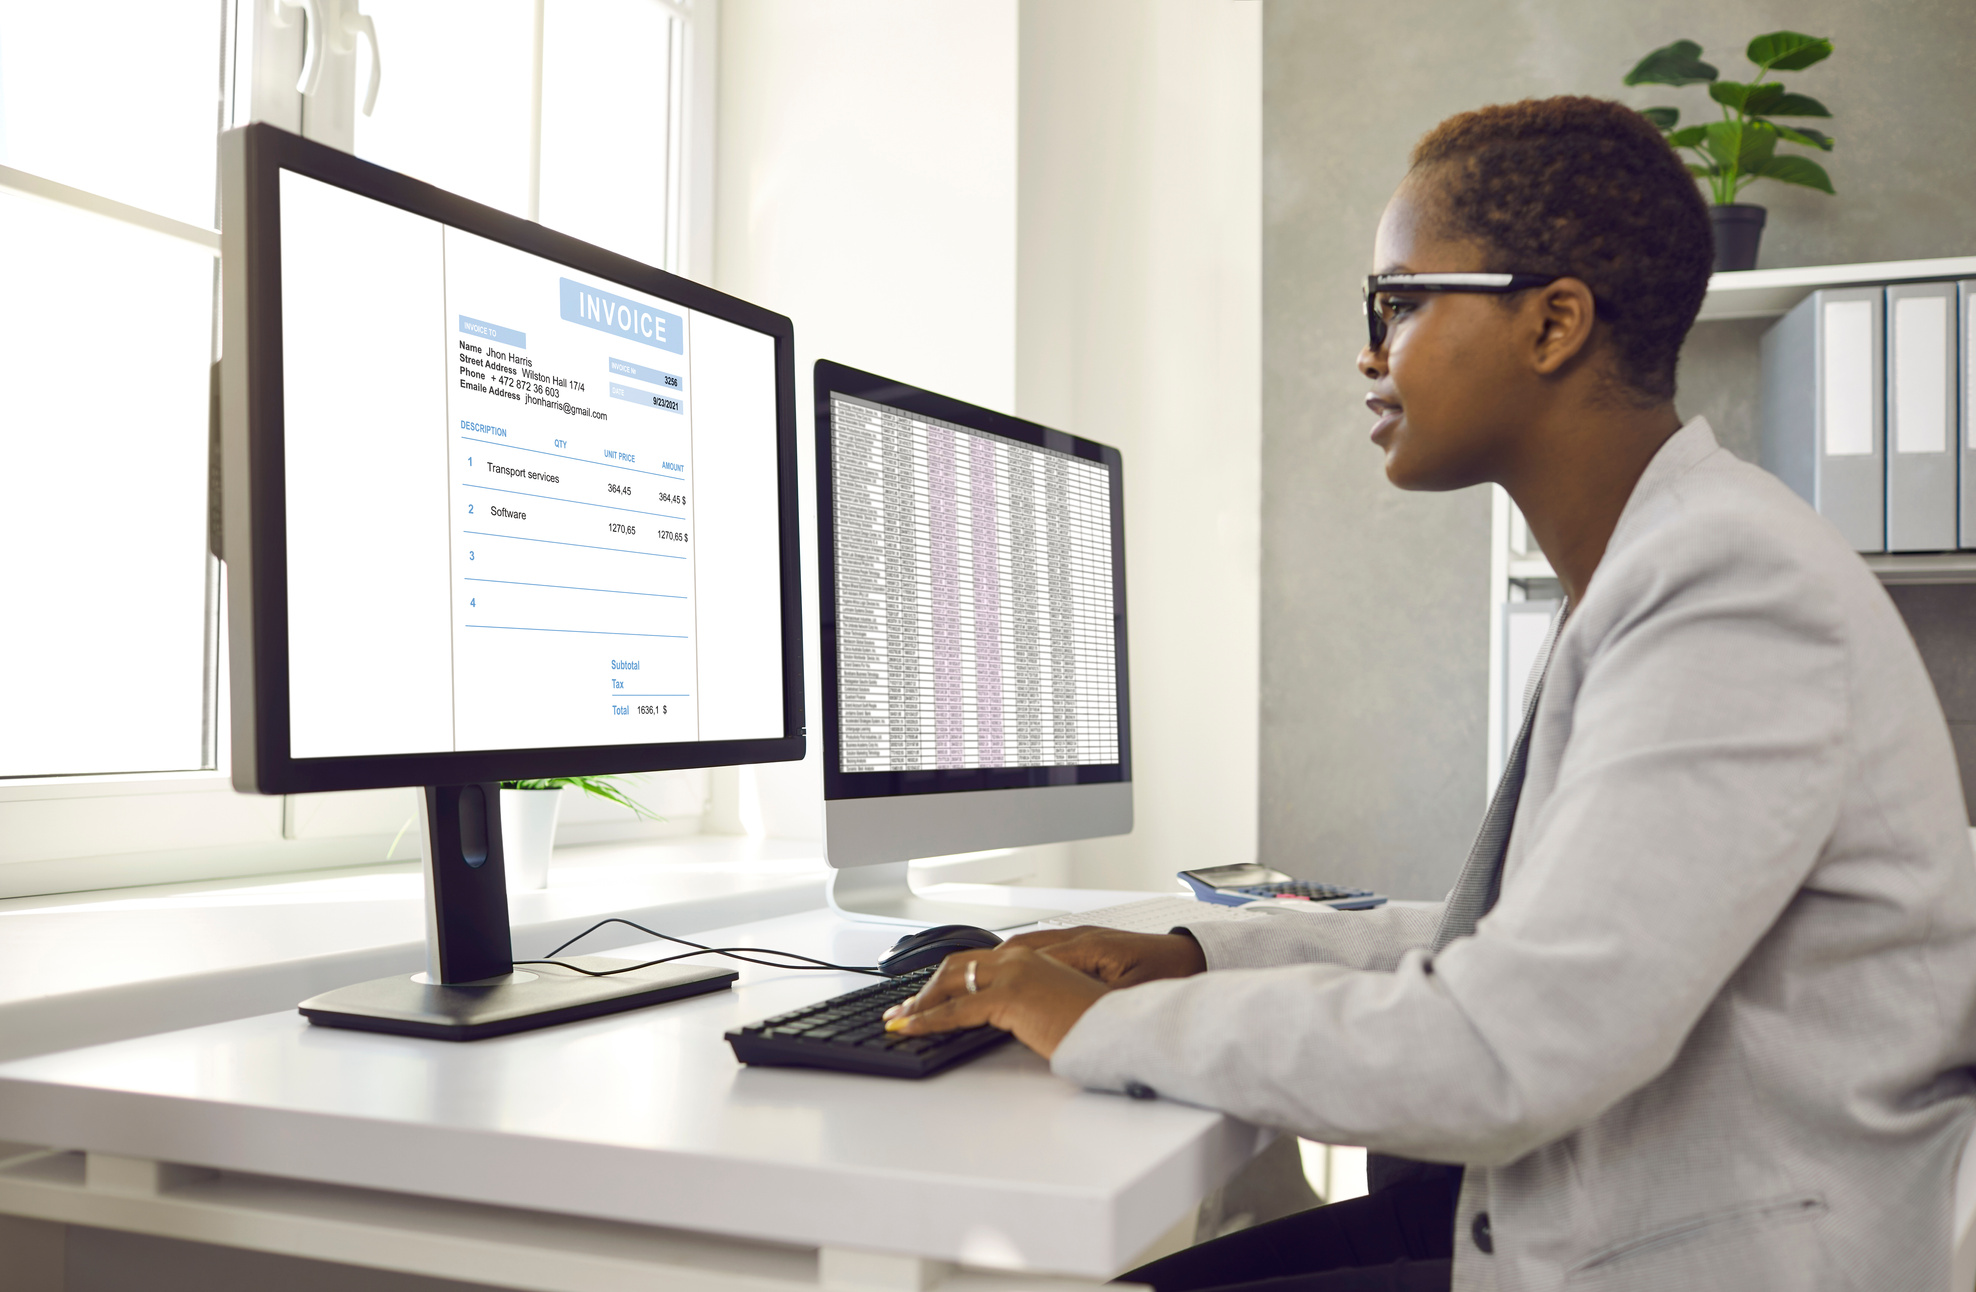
(931, 946)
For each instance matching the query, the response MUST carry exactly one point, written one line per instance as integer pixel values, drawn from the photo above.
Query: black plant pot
(1738, 230)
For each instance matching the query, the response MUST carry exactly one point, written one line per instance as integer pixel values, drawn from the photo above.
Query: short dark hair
(1588, 189)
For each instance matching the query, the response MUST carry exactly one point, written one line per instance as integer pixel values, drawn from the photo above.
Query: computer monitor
(499, 505)
(972, 581)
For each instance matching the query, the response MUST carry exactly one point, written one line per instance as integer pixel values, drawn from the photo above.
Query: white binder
(1922, 448)
(1823, 415)
(1965, 313)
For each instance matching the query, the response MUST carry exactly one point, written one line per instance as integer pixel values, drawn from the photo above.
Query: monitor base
(539, 996)
(883, 894)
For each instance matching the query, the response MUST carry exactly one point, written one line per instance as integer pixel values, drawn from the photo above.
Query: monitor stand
(883, 894)
(471, 988)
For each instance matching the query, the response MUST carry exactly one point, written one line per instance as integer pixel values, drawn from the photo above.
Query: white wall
(866, 188)
(1049, 207)
(1138, 323)
(866, 183)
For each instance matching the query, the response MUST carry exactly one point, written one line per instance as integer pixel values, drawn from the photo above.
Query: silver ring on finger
(972, 986)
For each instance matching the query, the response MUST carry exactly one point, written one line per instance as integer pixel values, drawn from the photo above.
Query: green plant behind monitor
(1741, 149)
(604, 787)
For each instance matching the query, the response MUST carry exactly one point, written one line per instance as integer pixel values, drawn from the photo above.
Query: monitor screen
(526, 506)
(977, 613)
(526, 501)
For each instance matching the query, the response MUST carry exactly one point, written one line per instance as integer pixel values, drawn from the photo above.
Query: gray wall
(1375, 603)
(1943, 620)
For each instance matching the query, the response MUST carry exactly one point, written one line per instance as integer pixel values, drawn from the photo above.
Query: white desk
(615, 1151)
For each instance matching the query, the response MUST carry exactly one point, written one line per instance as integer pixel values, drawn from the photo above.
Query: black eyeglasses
(1379, 289)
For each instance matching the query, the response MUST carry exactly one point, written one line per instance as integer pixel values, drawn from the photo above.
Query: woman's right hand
(1119, 959)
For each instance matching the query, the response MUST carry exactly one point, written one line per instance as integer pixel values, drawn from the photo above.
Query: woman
(1698, 1013)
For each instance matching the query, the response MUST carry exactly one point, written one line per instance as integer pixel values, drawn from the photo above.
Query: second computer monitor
(972, 587)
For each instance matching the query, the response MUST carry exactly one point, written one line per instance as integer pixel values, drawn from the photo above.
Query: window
(578, 116)
(106, 336)
(593, 116)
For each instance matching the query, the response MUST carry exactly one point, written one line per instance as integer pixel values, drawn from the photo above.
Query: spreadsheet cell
(974, 598)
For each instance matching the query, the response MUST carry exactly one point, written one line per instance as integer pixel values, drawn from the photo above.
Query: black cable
(733, 953)
(746, 954)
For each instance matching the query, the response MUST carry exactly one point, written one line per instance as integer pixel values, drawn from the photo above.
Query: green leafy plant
(604, 787)
(1741, 148)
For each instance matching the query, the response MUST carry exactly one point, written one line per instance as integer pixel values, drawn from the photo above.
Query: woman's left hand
(1017, 989)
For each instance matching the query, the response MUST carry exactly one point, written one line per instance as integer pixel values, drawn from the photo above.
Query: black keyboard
(846, 1033)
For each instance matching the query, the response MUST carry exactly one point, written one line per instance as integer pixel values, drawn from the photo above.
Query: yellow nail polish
(893, 1025)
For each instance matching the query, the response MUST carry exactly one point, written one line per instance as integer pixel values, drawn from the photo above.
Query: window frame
(75, 833)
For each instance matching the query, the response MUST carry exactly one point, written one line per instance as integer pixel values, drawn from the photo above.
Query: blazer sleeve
(1374, 939)
(1704, 767)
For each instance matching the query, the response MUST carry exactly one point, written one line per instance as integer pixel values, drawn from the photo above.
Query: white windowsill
(85, 969)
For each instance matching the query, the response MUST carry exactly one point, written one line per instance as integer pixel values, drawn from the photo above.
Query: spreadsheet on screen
(975, 602)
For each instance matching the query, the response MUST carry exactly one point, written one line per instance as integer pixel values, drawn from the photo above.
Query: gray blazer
(1717, 1031)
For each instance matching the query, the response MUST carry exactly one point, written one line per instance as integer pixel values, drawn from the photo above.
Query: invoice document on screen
(528, 506)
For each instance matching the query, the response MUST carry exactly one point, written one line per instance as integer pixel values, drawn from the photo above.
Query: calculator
(1240, 884)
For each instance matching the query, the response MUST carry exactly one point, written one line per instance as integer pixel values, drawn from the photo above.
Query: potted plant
(1741, 149)
(528, 821)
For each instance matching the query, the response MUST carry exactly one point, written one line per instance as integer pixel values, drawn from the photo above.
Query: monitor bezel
(252, 434)
(837, 784)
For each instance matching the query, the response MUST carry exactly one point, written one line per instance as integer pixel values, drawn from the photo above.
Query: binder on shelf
(1965, 313)
(1823, 413)
(1525, 625)
(1922, 448)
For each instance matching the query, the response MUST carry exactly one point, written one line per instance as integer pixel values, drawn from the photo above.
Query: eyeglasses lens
(1376, 318)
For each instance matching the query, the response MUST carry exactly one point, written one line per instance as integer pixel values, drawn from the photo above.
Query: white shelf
(1770, 293)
